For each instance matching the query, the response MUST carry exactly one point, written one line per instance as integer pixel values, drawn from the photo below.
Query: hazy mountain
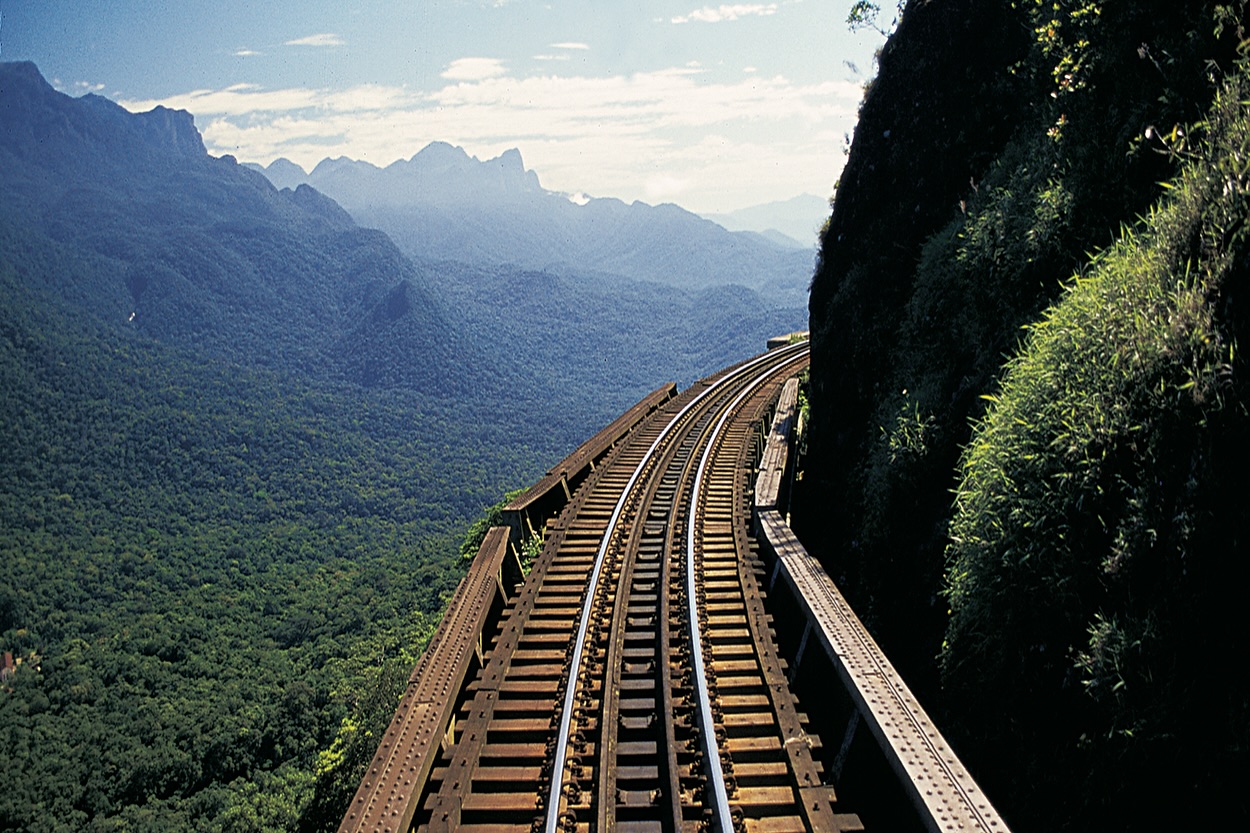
(796, 221)
(128, 218)
(241, 432)
(439, 175)
(443, 204)
(283, 173)
(202, 252)
(631, 331)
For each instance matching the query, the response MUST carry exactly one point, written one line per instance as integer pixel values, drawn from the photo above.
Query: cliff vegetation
(1028, 422)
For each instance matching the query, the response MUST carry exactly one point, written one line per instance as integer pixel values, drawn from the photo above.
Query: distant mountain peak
(34, 115)
(173, 129)
(510, 159)
(514, 175)
(338, 163)
(286, 165)
(795, 221)
(440, 151)
(13, 71)
(439, 173)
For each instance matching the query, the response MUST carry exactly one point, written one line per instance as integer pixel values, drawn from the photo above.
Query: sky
(714, 107)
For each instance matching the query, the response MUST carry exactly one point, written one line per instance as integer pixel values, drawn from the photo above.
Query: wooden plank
(777, 449)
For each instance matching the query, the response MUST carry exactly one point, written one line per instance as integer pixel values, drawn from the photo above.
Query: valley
(244, 434)
(249, 412)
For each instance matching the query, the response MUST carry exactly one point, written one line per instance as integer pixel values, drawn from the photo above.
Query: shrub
(1095, 537)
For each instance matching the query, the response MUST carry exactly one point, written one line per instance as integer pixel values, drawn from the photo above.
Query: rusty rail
(424, 722)
(573, 703)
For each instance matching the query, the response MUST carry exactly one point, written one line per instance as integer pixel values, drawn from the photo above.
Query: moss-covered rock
(1000, 145)
(1095, 556)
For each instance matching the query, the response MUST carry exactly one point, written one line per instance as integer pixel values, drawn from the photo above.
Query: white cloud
(231, 102)
(323, 39)
(672, 134)
(87, 87)
(245, 53)
(665, 187)
(722, 13)
(570, 45)
(551, 57)
(474, 69)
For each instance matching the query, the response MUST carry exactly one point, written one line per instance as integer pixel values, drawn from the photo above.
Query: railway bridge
(673, 660)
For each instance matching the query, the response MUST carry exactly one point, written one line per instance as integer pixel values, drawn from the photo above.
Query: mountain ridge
(198, 250)
(443, 204)
(798, 219)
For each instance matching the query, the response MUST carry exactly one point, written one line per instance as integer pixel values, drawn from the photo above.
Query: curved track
(634, 684)
(633, 681)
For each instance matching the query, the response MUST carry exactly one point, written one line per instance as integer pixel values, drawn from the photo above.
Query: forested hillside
(1028, 440)
(241, 441)
(205, 570)
(595, 336)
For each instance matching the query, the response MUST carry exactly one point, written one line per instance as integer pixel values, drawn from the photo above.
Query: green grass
(1095, 542)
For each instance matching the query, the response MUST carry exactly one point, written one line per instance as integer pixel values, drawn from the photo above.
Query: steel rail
(566, 717)
(711, 747)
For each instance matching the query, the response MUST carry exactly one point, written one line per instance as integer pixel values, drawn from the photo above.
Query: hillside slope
(236, 465)
(999, 146)
(203, 253)
(444, 205)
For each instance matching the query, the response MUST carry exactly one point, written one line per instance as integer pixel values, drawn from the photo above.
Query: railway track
(633, 684)
(632, 681)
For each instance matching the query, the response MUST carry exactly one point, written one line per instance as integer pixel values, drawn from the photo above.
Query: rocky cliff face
(201, 252)
(941, 108)
(38, 122)
(1000, 146)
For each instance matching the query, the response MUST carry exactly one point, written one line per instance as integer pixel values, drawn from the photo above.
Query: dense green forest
(241, 445)
(242, 439)
(210, 573)
(1029, 430)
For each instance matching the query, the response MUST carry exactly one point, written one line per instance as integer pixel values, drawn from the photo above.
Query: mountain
(440, 174)
(793, 222)
(1030, 427)
(243, 436)
(443, 204)
(241, 442)
(628, 285)
(205, 254)
(283, 173)
(632, 331)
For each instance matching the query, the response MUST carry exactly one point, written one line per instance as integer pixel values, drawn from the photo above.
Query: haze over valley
(241, 403)
(291, 295)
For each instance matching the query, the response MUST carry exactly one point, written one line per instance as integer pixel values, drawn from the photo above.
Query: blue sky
(713, 106)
